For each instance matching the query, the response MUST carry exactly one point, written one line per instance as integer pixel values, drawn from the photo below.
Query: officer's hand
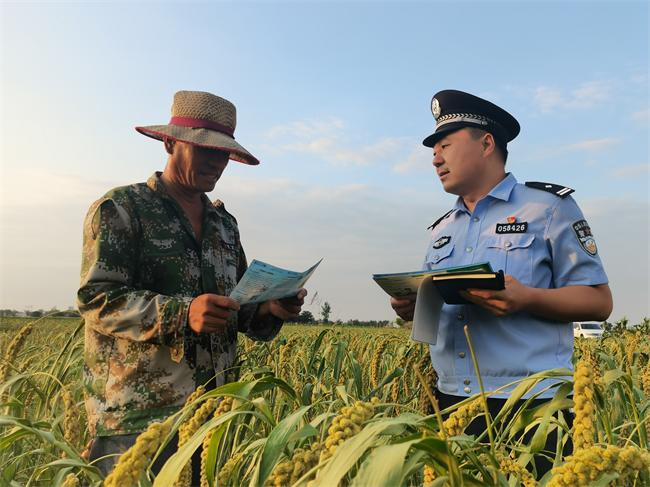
(404, 307)
(513, 298)
(209, 313)
(286, 309)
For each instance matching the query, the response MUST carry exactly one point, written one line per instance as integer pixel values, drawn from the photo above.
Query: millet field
(330, 406)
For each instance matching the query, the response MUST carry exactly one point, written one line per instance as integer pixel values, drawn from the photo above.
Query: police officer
(534, 232)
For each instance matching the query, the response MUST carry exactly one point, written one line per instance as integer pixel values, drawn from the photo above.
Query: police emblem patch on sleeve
(441, 242)
(585, 237)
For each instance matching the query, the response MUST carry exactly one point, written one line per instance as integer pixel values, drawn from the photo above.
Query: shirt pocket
(513, 254)
(439, 258)
(163, 261)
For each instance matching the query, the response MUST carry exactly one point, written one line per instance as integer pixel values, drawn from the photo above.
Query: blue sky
(334, 99)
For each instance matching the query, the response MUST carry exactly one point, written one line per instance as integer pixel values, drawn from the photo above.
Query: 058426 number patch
(520, 227)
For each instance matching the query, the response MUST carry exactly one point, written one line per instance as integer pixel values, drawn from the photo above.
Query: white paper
(426, 318)
(263, 281)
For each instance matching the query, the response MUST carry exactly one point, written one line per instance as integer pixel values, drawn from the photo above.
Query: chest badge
(585, 237)
(441, 242)
(512, 226)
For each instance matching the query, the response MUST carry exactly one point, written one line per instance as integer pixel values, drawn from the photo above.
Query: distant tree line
(307, 317)
(54, 312)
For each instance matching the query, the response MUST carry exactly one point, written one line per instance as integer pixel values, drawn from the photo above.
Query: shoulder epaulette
(434, 224)
(556, 189)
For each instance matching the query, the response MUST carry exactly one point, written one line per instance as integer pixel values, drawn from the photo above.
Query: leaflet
(263, 281)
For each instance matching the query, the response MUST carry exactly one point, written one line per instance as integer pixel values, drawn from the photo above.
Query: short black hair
(476, 133)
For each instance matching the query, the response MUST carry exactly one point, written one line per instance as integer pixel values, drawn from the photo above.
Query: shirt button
(461, 354)
(508, 245)
(469, 249)
(475, 218)
(467, 390)
(436, 258)
(460, 317)
(466, 382)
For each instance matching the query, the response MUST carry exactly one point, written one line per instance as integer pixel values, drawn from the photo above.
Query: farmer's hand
(513, 298)
(286, 309)
(404, 307)
(209, 313)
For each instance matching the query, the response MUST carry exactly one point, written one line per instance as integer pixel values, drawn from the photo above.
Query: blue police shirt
(540, 239)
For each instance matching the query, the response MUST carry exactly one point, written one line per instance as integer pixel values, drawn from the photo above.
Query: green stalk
(488, 418)
(635, 412)
(436, 408)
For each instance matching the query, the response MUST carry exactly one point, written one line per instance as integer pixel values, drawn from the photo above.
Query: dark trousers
(118, 444)
(478, 426)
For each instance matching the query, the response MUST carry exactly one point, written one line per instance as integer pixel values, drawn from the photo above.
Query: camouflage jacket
(141, 268)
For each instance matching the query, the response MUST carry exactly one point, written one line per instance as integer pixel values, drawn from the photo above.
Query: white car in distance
(587, 330)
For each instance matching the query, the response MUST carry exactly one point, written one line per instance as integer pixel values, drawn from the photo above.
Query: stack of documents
(432, 288)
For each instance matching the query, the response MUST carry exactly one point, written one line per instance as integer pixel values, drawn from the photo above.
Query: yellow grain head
(457, 421)
(133, 462)
(375, 365)
(429, 475)
(509, 466)
(585, 466)
(71, 430)
(186, 431)
(225, 405)
(225, 472)
(584, 427)
(347, 424)
(13, 349)
(71, 480)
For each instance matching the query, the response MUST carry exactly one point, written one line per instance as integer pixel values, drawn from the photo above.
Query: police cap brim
(433, 139)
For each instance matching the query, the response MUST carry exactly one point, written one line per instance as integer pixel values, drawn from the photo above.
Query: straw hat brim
(209, 139)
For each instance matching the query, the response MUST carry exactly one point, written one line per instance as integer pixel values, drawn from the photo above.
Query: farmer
(534, 232)
(159, 261)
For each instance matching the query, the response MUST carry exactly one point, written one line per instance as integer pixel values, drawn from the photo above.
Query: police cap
(454, 110)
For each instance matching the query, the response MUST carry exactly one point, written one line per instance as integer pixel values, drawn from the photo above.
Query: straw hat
(205, 120)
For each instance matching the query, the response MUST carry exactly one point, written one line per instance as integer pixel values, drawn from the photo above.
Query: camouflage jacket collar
(155, 184)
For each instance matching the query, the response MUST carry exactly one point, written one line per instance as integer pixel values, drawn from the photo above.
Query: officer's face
(198, 168)
(458, 161)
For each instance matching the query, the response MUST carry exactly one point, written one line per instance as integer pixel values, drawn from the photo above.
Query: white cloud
(331, 141)
(641, 116)
(366, 155)
(588, 94)
(593, 144)
(45, 188)
(419, 159)
(235, 187)
(305, 128)
(590, 147)
(547, 98)
(633, 171)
